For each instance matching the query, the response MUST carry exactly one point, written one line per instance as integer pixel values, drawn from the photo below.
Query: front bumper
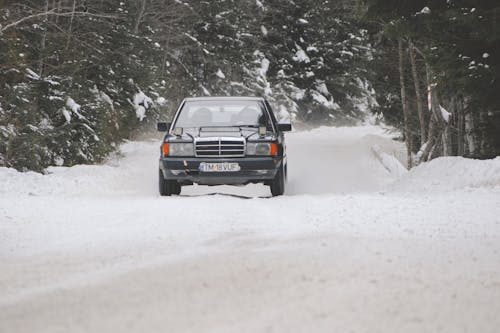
(253, 170)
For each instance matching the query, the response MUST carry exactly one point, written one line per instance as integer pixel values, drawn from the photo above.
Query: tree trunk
(482, 144)
(58, 10)
(43, 42)
(433, 134)
(447, 140)
(73, 9)
(165, 52)
(140, 15)
(443, 125)
(460, 128)
(404, 103)
(469, 134)
(418, 94)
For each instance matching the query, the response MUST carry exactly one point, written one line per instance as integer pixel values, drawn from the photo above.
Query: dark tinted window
(222, 113)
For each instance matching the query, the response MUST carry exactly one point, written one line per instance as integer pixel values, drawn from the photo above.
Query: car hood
(218, 132)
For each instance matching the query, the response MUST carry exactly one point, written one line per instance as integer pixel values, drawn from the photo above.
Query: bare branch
(53, 12)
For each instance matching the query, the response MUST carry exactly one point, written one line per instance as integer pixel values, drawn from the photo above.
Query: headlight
(262, 149)
(181, 149)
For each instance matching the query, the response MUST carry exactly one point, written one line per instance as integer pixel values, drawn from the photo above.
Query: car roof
(224, 98)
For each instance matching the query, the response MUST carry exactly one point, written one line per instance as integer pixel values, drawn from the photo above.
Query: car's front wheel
(168, 187)
(278, 183)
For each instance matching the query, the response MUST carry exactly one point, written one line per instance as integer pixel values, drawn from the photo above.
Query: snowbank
(390, 162)
(389, 152)
(111, 178)
(447, 174)
(79, 179)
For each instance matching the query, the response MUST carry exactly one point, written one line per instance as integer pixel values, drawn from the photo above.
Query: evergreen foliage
(458, 47)
(79, 76)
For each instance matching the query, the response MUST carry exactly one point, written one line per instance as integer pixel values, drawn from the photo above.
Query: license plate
(219, 167)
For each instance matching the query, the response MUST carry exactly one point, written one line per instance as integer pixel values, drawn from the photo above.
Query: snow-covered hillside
(351, 247)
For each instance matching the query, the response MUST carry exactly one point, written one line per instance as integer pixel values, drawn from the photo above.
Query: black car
(223, 141)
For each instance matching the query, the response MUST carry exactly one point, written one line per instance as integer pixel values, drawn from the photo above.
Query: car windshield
(221, 113)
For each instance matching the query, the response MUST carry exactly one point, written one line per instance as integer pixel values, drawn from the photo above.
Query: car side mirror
(285, 127)
(163, 127)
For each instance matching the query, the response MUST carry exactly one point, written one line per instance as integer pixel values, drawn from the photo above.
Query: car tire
(278, 183)
(176, 188)
(168, 187)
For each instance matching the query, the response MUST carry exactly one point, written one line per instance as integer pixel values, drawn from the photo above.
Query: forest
(77, 77)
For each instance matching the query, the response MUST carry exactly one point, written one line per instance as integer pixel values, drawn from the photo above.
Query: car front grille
(220, 147)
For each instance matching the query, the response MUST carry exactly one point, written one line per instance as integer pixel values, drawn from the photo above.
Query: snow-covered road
(350, 248)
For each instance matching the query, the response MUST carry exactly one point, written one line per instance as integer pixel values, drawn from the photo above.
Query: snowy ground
(350, 248)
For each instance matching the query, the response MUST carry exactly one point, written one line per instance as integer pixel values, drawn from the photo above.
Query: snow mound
(447, 174)
(388, 151)
(110, 178)
(76, 180)
(389, 162)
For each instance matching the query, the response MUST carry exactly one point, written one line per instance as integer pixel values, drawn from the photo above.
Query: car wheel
(177, 188)
(278, 183)
(168, 187)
